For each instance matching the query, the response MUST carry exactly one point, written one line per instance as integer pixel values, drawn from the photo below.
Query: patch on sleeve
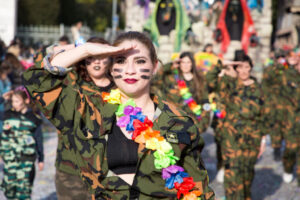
(172, 137)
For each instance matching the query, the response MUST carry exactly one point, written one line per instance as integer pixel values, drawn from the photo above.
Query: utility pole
(115, 19)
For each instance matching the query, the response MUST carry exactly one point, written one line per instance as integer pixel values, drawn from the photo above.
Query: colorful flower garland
(131, 117)
(189, 100)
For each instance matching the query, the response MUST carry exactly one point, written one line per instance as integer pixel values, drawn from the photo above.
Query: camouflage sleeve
(219, 84)
(265, 84)
(205, 115)
(213, 79)
(157, 82)
(193, 163)
(265, 121)
(54, 95)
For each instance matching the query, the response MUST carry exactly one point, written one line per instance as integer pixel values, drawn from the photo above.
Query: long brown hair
(81, 65)
(198, 78)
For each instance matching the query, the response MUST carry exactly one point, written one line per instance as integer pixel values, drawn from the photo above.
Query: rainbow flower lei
(189, 100)
(131, 117)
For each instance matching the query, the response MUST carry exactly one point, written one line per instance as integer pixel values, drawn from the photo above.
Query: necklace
(131, 117)
(189, 100)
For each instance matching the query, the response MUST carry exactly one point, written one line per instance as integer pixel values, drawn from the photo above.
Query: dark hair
(21, 91)
(5, 67)
(140, 37)
(64, 38)
(13, 60)
(206, 46)
(81, 66)
(240, 55)
(198, 79)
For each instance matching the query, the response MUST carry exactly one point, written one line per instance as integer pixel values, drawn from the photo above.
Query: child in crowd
(20, 144)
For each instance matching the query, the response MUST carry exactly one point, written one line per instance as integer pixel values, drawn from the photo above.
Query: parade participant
(90, 75)
(290, 92)
(184, 86)
(114, 164)
(296, 126)
(271, 85)
(242, 139)
(21, 143)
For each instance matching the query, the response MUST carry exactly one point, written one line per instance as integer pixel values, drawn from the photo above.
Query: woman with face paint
(128, 143)
(242, 130)
(184, 86)
(86, 76)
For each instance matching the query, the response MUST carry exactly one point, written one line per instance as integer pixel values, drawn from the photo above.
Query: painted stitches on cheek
(119, 70)
(118, 77)
(145, 77)
(145, 71)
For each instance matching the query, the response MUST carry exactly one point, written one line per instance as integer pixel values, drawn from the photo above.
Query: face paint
(145, 77)
(144, 70)
(118, 70)
(118, 77)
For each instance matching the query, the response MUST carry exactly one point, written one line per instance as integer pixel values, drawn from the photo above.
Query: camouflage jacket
(244, 123)
(291, 90)
(165, 85)
(61, 116)
(84, 121)
(22, 137)
(275, 83)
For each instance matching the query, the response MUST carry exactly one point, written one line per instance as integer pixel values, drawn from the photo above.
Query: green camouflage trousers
(70, 187)
(239, 173)
(291, 154)
(18, 179)
(282, 122)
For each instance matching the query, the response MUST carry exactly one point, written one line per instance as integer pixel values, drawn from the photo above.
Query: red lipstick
(130, 80)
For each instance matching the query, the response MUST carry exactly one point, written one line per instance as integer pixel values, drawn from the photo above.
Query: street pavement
(267, 185)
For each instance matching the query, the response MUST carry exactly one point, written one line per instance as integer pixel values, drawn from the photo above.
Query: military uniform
(69, 184)
(240, 131)
(285, 80)
(272, 85)
(165, 85)
(290, 92)
(20, 143)
(85, 121)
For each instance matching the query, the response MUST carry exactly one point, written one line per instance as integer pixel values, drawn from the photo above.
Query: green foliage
(94, 13)
(38, 12)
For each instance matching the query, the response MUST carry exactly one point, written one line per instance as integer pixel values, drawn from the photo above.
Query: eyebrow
(140, 57)
(135, 58)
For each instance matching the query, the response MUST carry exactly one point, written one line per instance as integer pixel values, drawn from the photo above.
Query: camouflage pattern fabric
(273, 78)
(165, 85)
(84, 121)
(70, 187)
(65, 156)
(18, 151)
(240, 131)
(286, 80)
(291, 91)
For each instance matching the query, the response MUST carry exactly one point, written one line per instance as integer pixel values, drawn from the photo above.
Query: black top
(122, 153)
(108, 87)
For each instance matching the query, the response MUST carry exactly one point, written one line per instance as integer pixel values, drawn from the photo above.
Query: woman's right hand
(176, 63)
(94, 49)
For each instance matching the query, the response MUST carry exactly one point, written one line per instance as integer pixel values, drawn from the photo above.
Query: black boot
(277, 154)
